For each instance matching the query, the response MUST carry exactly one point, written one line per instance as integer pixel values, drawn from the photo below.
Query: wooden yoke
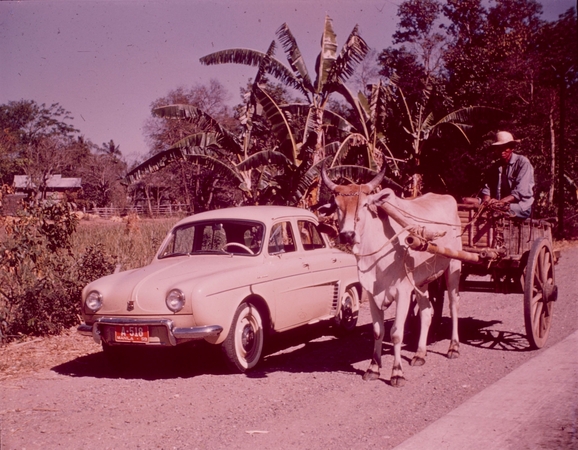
(420, 238)
(421, 244)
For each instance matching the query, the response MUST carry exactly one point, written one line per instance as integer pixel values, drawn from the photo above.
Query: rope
(385, 244)
(419, 219)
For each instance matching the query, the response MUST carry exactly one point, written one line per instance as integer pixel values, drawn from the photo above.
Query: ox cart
(502, 254)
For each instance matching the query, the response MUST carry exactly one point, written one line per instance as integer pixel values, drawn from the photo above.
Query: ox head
(350, 202)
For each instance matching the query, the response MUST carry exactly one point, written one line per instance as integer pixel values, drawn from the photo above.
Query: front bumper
(174, 335)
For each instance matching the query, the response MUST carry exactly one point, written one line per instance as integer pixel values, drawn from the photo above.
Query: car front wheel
(243, 346)
(348, 312)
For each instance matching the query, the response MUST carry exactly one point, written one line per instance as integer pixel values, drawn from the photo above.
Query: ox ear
(381, 197)
(327, 209)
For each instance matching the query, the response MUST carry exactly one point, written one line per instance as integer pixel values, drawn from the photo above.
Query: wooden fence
(156, 211)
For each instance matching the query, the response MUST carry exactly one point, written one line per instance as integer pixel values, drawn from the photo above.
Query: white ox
(389, 270)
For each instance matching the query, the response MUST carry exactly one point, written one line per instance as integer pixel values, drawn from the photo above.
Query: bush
(40, 276)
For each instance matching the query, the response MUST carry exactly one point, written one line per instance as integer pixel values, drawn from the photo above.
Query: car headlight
(93, 301)
(175, 300)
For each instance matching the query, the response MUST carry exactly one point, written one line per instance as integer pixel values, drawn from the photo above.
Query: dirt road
(307, 394)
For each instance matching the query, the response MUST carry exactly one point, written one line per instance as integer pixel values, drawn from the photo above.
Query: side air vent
(335, 304)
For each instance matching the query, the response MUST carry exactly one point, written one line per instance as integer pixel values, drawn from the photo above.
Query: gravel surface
(60, 393)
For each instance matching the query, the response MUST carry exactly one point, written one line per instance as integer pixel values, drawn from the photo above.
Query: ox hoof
(417, 361)
(370, 375)
(397, 381)
(453, 354)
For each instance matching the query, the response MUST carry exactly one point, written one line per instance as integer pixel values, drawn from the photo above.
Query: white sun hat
(504, 137)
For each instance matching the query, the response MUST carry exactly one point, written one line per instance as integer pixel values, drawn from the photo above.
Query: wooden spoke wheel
(540, 292)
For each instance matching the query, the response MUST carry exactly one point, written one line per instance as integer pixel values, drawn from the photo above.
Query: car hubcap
(347, 309)
(247, 337)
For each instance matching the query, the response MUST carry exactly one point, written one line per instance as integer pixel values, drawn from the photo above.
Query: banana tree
(263, 175)
(420, 125)
(332, 71)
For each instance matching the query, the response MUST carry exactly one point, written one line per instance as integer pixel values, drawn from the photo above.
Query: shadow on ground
(316, 348)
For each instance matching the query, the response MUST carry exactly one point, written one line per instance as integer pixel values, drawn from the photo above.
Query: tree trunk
(561, 157)
(553, 158)
(148, 197)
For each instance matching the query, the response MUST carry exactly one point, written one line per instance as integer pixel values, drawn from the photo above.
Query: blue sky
(107, 61)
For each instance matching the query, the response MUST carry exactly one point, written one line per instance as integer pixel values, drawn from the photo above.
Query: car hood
(148, 286)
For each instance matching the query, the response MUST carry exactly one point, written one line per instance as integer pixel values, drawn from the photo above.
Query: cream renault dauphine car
(230, 277)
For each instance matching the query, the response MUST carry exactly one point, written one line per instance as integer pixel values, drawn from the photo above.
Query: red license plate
(131, 333)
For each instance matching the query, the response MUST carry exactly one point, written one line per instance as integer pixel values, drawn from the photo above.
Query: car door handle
(306, 265)
(334, 260)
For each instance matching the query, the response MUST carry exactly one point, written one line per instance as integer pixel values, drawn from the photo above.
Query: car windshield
(230, 236)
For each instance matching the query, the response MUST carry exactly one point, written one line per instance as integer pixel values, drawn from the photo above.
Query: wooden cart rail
(516, 255)
(513, 237)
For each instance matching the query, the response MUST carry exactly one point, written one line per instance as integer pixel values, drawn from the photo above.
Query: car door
(289, 278)
(325, 268)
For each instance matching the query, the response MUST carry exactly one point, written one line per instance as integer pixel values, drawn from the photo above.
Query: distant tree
(39, 141)
(420, 115)
(110, 149)
(185, 178)
(102, 173)
(556, 60)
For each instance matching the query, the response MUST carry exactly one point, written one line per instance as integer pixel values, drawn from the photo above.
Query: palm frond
(354, 174)
(264, 158)
(353, 138)
(359, 175)
(327, 56)
(428, 124)
(189, 113)
(305, 181)
(294, 55)
(263, 65)
(198, 140)
(352, 53)
(193, 154)
(354, 102)
(225, 138)
(332, 119)
(255, 58)
(377, 106)
(474, 114)
(279, 123)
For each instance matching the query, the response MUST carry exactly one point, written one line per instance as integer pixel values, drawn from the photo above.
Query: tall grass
(47, 257)
(129, 244)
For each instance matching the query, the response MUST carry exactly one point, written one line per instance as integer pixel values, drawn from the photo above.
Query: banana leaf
(255, 58)
(279, 123)
(352, 53)
(294, 56)
(225, 138)
(327, 56)
(264, 158)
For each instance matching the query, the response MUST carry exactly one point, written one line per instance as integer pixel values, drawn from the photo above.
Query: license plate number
(132, 333)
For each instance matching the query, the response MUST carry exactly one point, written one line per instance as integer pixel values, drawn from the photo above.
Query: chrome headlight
(93, 301)
(175, 300)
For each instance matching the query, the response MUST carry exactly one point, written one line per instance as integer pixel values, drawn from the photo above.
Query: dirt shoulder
(308, 393)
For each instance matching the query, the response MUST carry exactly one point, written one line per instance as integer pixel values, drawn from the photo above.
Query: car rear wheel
(243, 346)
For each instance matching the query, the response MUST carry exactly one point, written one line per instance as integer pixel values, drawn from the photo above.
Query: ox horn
(330, 184)
(377, 179)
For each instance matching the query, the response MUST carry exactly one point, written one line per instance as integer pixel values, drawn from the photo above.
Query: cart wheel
(540, 291)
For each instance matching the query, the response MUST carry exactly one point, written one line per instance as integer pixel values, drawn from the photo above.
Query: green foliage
(40, 277)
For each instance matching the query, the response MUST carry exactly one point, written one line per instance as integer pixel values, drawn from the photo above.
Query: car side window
(310, 236)
(281, 239)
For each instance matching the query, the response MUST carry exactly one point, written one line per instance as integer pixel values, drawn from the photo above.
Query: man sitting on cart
(511, 179)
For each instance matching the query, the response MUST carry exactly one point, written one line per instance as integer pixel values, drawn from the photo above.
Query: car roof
(262, 213)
